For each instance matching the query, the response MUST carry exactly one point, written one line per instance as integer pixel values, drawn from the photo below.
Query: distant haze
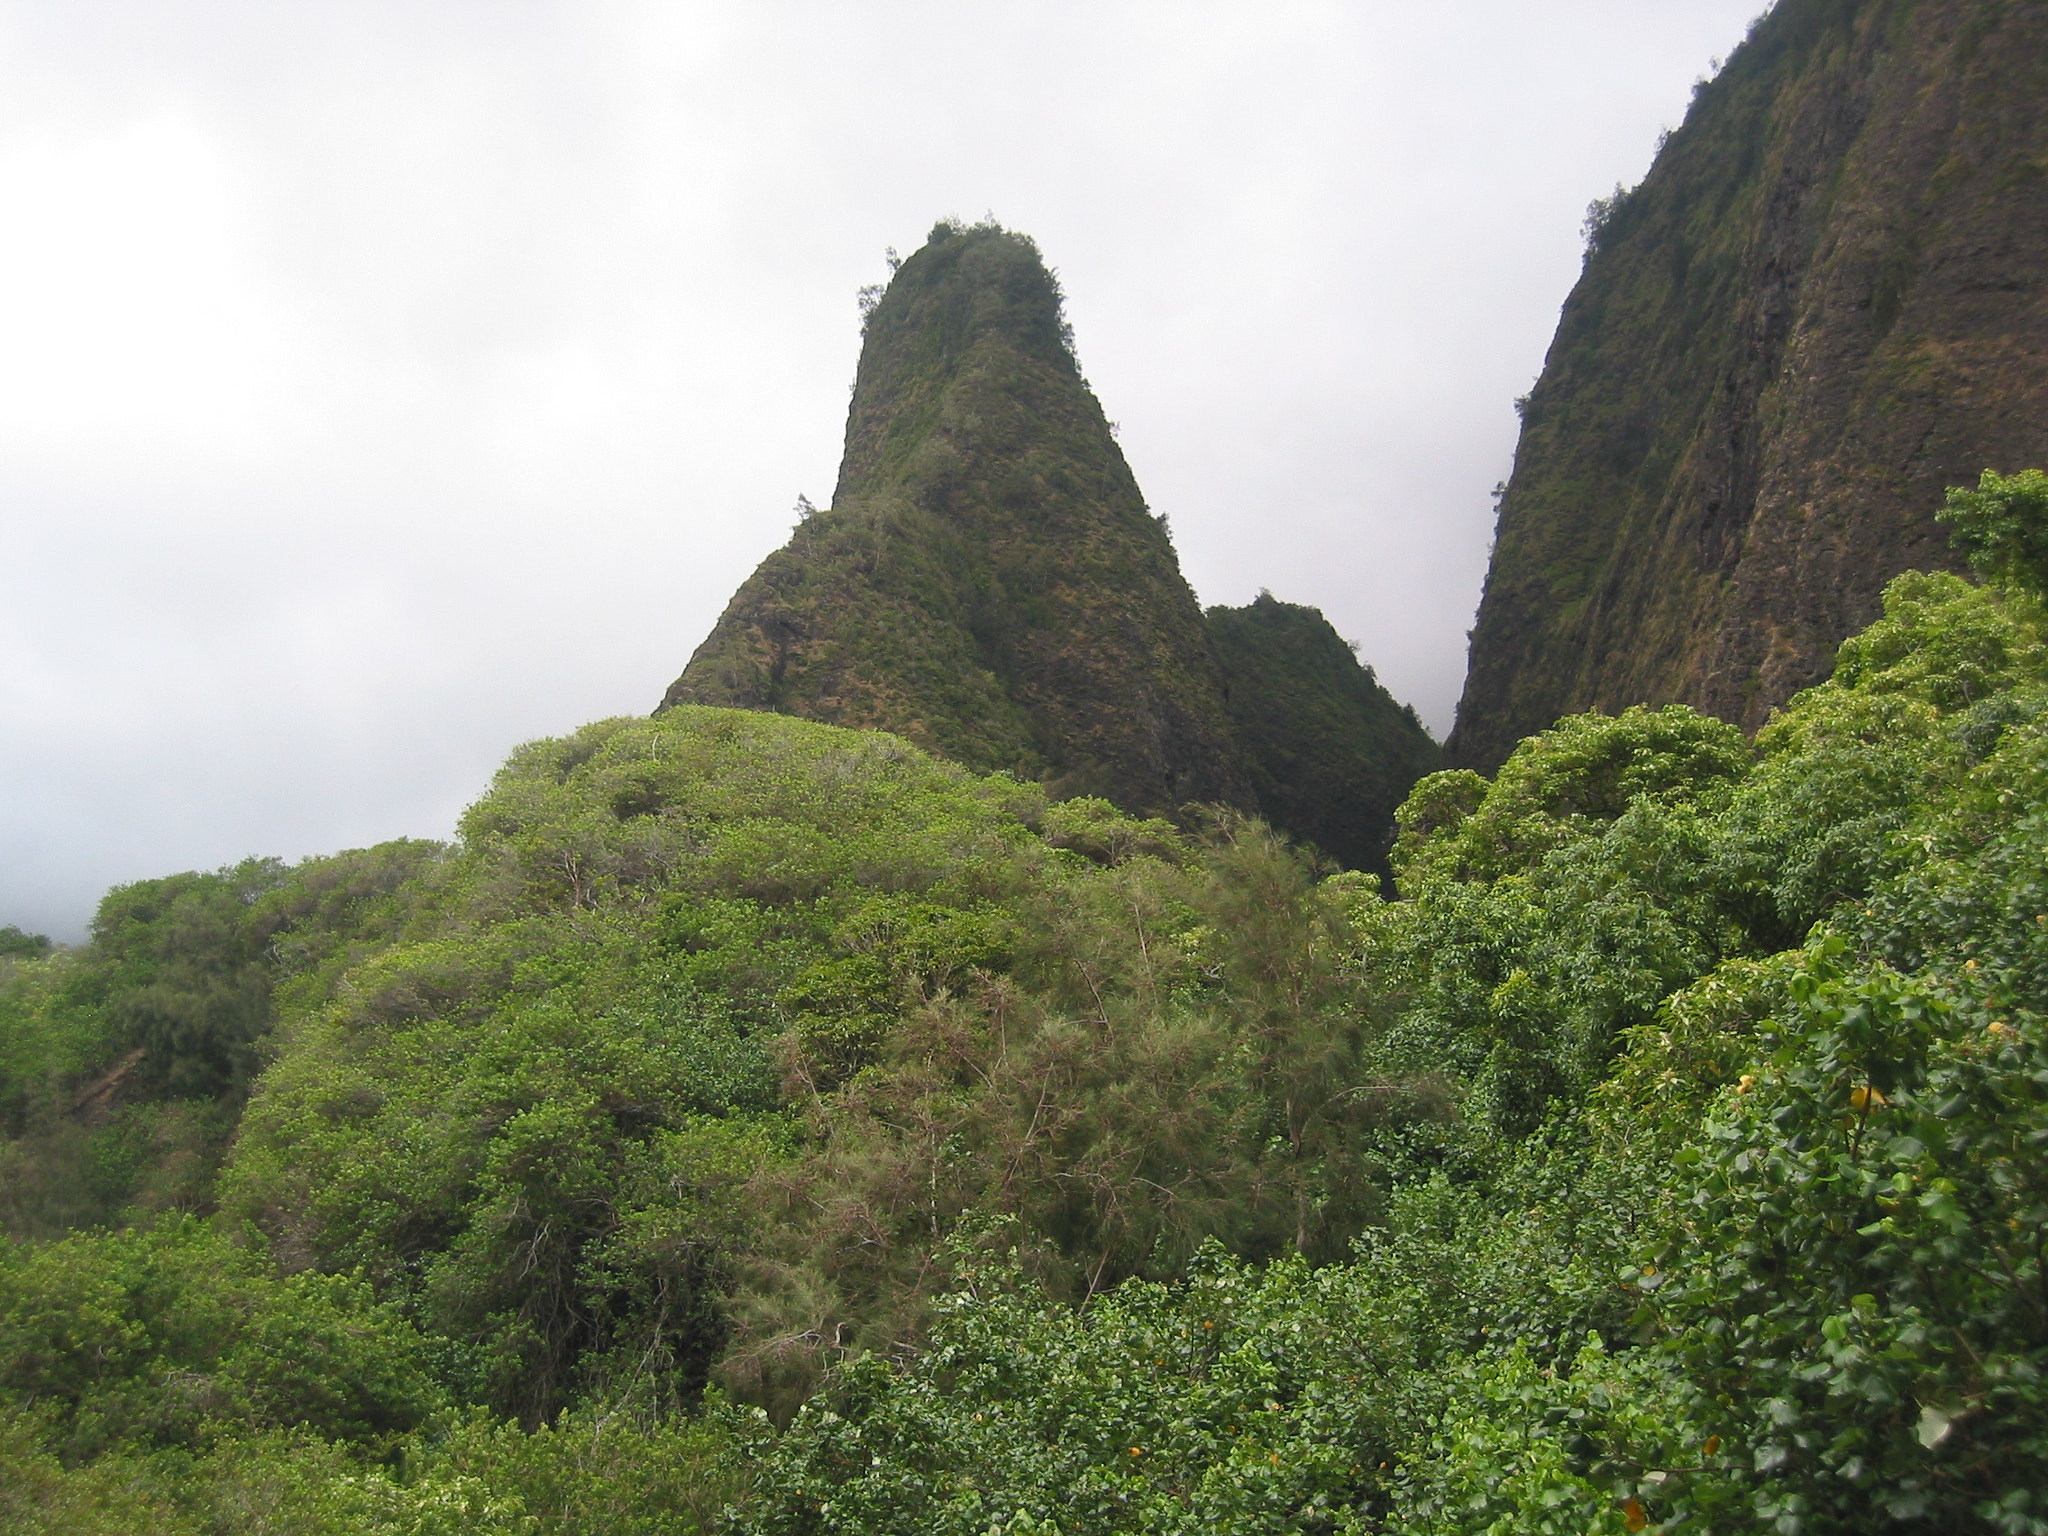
(383, 385)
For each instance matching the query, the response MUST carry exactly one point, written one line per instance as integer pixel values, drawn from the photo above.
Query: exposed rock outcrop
(1823, 305)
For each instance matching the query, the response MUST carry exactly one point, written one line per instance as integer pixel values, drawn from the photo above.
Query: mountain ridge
(1822, 305)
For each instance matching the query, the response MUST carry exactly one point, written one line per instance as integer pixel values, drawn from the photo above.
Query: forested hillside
(755, 1125)
(1330, 753)
(1826, 301)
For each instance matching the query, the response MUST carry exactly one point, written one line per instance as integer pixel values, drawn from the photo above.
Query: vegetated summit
(1824, 304)
(1331, 754)
(989, 583)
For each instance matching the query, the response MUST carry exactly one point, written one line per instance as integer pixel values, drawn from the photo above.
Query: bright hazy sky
(382, 385)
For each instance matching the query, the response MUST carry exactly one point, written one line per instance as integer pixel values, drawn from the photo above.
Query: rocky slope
(1823, 305)
(987, 581)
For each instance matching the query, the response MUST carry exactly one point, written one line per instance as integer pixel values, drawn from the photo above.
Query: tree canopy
(754, 1125)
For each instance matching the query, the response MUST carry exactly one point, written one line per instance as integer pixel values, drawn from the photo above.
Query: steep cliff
(1823, 305)
(1331, 754)
(987, 581)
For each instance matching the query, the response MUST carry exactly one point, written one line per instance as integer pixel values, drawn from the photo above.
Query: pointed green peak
(988, 580)
(972, 299)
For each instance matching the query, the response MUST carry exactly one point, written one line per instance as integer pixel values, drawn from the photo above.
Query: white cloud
(381, 385)
(139, 332)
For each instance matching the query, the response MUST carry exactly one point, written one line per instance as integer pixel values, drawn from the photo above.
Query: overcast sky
(382, 385)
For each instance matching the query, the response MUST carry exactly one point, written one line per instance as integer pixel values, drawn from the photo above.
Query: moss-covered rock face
(1824, 304)
(1331, 754)
(988, 581)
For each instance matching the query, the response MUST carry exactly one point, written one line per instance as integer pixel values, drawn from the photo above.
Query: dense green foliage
(160, 1336)
(16, 945)
(760, 1126)
(2003, 526)
(123, 1065)
(1331, 755)
(1727, 1235)
(731, 1019)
